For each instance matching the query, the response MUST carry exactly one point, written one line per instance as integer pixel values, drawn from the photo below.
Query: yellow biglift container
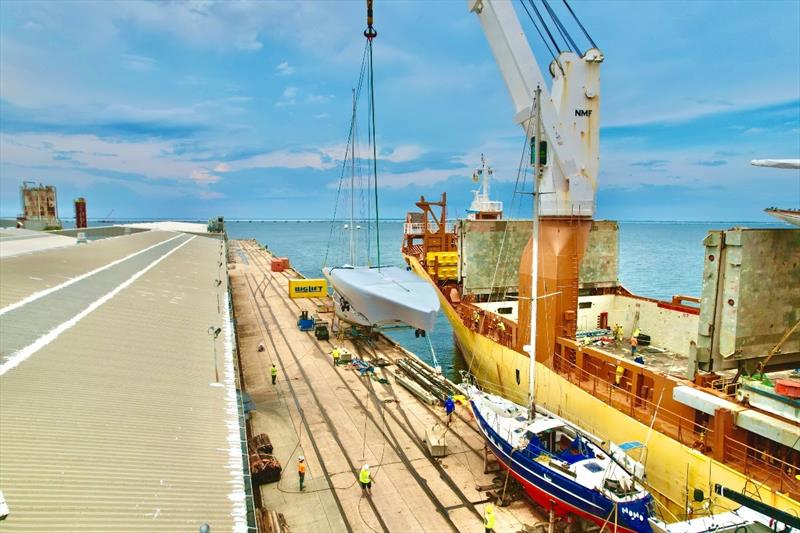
(308, 288)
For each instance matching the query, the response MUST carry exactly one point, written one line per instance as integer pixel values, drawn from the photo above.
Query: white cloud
(288, 97)
(319, 98)
(205, 194)
(319, 160)
(249, 43)
(150, 158)
(137, 62)
(284, 69)
(637, 168)
(203, 177)
(422, 178)
(403, 153)
(9, 181)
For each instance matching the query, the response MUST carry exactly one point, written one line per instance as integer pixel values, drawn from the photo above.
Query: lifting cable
(370, 34)
(433, 353)
(561, 29)
(552, 54)
(518, 194)
(574, 16)
(541, 20)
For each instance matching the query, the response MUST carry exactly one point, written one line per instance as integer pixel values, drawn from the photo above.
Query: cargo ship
(709, 399)
(702, 417)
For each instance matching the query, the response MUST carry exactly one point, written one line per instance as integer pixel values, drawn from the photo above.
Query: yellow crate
(447, 273)
(448, 264)
(445, 258)
(308, 288)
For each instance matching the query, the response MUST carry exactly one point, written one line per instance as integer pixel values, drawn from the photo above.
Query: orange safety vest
(301, 468)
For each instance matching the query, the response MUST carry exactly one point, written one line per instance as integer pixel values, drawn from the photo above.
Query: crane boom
(570, 109)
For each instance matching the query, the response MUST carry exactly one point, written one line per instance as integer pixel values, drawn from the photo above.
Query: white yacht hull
(383, 296)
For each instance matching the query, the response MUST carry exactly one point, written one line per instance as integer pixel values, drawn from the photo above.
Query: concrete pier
(339, 420)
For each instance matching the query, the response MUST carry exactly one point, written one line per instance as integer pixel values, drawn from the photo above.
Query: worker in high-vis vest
(488, 518)
(336, 353)
(618, 373)
(617, 330)
(634, 344)
(365, 479)
(274, 373)
(301, 471)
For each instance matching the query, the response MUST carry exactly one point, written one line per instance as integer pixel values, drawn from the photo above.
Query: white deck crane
(570, 110)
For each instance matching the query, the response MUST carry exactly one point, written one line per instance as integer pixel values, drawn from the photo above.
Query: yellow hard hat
(489, 508)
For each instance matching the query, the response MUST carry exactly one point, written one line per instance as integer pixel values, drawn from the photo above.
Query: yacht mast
(353, 187)
(537, 174)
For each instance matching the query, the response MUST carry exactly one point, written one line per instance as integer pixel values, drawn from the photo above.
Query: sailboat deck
(340, 420)
(547, 440)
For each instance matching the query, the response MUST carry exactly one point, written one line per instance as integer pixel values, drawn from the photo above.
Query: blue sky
(192, 109)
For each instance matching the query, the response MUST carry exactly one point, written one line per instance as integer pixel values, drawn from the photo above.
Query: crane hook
(370, 32)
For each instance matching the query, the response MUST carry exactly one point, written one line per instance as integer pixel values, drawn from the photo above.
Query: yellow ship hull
(673, 470)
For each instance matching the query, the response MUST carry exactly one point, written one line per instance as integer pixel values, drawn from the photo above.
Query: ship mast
(486, 172)
(537, 174)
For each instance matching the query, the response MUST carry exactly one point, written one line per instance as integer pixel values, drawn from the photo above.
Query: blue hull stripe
(559, 487)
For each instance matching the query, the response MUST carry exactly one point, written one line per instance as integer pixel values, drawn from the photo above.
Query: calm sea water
(656, 260)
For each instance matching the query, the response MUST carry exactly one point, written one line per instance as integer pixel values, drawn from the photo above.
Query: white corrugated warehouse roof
(109, 416)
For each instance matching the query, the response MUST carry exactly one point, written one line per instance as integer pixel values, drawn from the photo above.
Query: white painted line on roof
(235, 467)
(36, 295)
(20, 355)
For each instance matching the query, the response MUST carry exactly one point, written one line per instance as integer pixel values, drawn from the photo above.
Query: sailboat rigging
(559, 465)
(376, 295)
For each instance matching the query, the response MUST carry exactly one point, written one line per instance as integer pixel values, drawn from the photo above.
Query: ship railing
(726, 385)
(419, 228)
(487, 323)
(763, 466)
(686, 431)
